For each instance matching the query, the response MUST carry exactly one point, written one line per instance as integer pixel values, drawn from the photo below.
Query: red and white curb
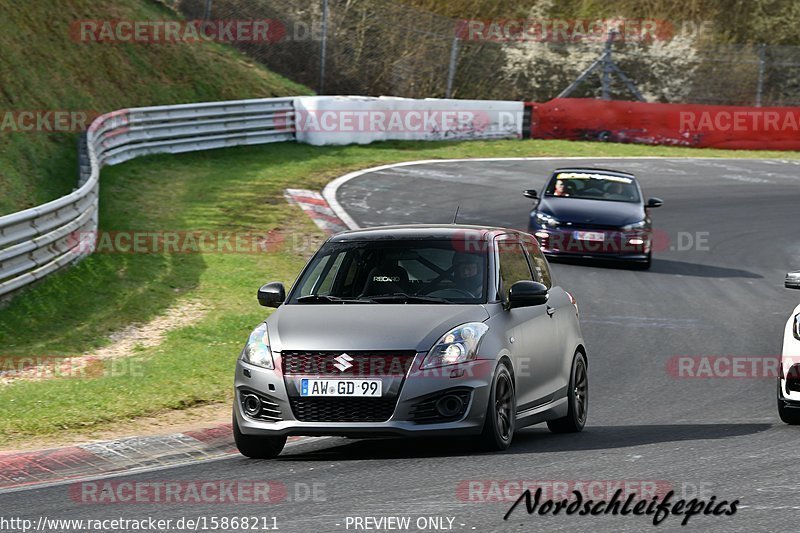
(317, 208)
(21, 470)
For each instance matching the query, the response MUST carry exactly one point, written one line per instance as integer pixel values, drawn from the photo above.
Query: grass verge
(47, 67)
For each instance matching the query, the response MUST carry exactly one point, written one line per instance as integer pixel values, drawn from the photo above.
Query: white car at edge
(789, 380)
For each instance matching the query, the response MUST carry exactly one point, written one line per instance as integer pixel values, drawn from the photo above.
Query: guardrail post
(527, 120)
(607, 62)
(84, 166)
(323, 47)
(451, 72)
(761, 62)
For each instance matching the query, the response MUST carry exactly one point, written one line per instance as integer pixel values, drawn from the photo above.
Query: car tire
(788, 416)
(501, 412)
(577, 399)
(256, 447)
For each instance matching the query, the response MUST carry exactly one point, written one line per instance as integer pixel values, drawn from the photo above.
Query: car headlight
(639, 225)
(256, 351)
(797, 327)
(456, 346)
(545, 220)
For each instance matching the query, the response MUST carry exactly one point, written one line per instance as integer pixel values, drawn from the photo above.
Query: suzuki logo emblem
(343, 362)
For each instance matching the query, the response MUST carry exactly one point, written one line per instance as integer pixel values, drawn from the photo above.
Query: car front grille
(361, 363)
(339, 409)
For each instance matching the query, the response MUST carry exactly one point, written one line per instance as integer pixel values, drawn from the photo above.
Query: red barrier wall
(702, 126)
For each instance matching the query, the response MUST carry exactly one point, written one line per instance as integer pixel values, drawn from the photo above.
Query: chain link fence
(380, 47)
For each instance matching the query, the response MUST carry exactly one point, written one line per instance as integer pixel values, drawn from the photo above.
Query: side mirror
(793, 280)
(531, 193)
(526, 294)
(654, 202)
(272, 294)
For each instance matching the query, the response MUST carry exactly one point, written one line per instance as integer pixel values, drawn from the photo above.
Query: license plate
(340, 387)
(594, 236)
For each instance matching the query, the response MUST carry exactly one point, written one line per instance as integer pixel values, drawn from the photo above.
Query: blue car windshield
(394, 271)
(591, 186)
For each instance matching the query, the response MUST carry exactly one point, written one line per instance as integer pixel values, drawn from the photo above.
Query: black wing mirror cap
(272, 294)
(527, 293)
(792, 280)
(655, 202)
(531, 193)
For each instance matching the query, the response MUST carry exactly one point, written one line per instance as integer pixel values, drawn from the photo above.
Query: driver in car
(467, 274)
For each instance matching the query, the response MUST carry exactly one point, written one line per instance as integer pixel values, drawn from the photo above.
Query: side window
(323, 274)
(541, 270)
(327, 283)
(513, 265)
(308, 286)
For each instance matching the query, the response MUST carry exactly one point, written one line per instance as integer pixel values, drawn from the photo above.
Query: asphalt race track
(730, 233)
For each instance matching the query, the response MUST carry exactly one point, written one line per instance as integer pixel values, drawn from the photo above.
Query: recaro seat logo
(394, 279)
(343, 362)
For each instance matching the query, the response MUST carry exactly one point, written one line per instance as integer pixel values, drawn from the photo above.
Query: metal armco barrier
(701, 126)
(40, 240)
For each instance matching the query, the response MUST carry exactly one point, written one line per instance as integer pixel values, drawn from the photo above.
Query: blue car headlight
(638, 225)
(458, 345)
(257, 351)
(544, 219)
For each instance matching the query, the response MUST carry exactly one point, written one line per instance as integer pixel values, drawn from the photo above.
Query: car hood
(600, 212)
(323, 327)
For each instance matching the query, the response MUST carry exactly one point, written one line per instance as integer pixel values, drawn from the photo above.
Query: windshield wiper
(409, 298)
(315, 298)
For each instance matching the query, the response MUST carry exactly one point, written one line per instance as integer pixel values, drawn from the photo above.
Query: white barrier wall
(324, 120)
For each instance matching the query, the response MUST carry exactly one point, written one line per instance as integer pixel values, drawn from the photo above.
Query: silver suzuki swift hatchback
(413, 331)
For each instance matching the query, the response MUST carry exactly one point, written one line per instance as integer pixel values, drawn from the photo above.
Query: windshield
(590, 186)
(411, 271)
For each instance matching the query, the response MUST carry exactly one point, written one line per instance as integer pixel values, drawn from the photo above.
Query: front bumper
(633, 245)
(411, 391)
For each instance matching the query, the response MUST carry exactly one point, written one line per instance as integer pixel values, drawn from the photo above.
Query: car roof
(421, 232)
(606, 171)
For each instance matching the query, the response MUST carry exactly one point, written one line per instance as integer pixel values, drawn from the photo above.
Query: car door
(529, 330)
(557, 367)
